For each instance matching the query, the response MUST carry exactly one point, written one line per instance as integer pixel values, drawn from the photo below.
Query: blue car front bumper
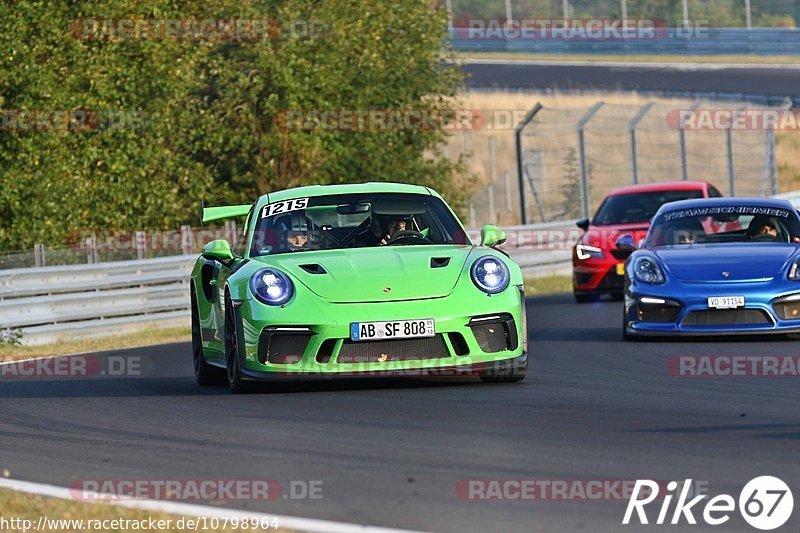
(681, 308)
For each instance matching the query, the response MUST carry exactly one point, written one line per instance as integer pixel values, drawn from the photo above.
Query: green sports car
(376, 279)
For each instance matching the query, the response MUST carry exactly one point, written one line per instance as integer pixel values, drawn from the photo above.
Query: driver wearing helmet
(296, 240)
(295, 232)
(392, 226)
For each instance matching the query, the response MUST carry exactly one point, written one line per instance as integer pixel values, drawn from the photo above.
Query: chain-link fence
(109, 245)
(572, 158)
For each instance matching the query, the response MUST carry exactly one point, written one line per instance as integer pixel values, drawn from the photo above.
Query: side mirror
(583, 224)
(492, 236)
(626, 243)
(218, 250)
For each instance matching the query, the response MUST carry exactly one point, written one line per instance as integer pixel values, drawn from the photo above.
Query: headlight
(271, 286)
(585, 251)
(794, 271)
(648, 271)
(490, 274)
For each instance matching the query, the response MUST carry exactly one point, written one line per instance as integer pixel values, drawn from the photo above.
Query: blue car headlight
(271, 286)
(794, 271)
(490, 274)
(647, 270)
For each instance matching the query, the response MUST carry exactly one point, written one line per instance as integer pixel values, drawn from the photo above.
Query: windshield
(354, 221)
(638, 207)
(724, 224)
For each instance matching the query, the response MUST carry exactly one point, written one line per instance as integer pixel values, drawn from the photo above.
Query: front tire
(586, 297)
(205, 374)
(233, 350)
(627, 337)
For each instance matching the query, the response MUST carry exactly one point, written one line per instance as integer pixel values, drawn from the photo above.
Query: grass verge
(145, 337)
(547, 285)
(70, 516)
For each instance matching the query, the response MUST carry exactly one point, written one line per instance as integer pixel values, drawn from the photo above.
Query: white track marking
(187, 509)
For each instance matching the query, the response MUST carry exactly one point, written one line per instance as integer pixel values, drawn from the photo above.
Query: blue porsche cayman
(713, 267)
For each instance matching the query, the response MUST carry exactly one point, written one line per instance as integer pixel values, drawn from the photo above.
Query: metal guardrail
(673, 41)
(51, 303)
(48, 304)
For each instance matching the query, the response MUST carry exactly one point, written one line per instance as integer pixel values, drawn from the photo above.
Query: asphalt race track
(777, 82)
(391, 453)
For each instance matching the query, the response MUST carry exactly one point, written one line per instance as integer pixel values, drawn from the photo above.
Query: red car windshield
(637, 207)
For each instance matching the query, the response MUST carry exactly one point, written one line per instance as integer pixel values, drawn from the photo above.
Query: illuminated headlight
(271, 286)
(585, 251)
(648, 271)
(794, 271)
(490, 274)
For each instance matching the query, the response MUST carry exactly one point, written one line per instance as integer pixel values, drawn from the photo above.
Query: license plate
(620, 269)
(725, 302)
(396, 329)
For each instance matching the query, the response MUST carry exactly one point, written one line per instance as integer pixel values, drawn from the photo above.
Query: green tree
(206, 108)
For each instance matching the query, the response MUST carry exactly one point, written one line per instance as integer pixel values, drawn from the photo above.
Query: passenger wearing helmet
(688, 231)
(763, 228)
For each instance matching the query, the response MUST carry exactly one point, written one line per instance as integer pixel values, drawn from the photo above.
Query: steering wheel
(764, 237)
(406, 235)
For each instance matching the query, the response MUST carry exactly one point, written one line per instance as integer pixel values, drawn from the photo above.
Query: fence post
(38, 255)
(769, 174)
(141, 245)
(467, 150)
(91, 249)
(230, 231)
(582, 155)
(472, 215)
(507, 180)
(520, 172)
(729, 140)
(187, 247)
(684, 163)
(490, 191)
(492, 158)
(634, 152)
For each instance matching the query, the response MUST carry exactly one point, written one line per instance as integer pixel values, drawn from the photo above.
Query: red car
(597, 263)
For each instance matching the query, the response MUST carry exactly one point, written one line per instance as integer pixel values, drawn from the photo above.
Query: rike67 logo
(766, 503)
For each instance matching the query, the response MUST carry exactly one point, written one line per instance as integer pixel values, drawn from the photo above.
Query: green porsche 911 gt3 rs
(376, 279)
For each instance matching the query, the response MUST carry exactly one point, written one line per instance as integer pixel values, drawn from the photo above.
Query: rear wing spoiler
(226, 211)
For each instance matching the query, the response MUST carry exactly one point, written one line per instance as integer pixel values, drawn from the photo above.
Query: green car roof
(347, 188)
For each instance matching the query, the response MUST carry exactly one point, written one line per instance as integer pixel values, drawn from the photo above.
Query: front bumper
(462, 346)
(685, 311)
(597, 275)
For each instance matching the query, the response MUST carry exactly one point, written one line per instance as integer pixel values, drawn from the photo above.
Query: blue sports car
(715, 266)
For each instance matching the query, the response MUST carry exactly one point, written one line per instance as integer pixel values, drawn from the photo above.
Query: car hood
(387, 273)
(605, 237)
(742, 262)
